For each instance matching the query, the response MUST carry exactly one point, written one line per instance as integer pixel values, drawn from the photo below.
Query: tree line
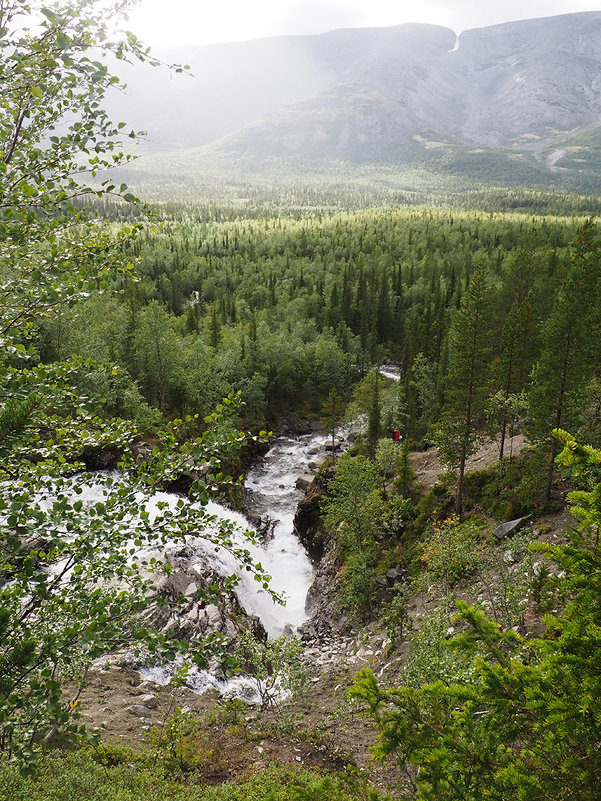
(491, 317)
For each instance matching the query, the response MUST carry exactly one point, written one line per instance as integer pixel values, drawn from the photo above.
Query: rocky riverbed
(281, 496)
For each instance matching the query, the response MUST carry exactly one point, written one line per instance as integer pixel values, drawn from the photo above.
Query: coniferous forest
(155, 348)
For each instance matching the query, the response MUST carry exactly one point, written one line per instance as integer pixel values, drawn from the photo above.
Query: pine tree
(571, 344)
(374, 414)
(466, 383)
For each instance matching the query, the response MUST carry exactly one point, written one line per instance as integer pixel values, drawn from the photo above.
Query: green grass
(122, 774)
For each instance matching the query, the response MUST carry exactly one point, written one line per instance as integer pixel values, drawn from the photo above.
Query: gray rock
(511, 527)
(145, 686)
(265, 526)
(139, 710)
(213, 615)
(150, 701)
(302, 482)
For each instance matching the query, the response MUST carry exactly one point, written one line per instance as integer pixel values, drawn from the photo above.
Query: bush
(451, 553)
(430, 658)
(396, 616)
(179, 744)
(359, 583)
(274, 667)
(65, 777)
(291, 784)
(508, 489)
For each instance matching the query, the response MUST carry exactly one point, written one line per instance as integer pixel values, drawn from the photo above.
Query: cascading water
(270, 489)
(391, 371)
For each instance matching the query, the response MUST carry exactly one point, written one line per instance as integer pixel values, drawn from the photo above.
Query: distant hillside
(518, 103)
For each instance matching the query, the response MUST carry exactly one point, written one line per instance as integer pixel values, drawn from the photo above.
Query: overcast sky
(166, 22)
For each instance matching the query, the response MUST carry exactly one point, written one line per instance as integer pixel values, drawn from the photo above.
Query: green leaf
(50, 15)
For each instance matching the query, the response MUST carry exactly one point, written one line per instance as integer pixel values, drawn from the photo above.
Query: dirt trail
(428, 466)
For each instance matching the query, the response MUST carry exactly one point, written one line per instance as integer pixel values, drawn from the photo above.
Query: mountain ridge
(520, 90)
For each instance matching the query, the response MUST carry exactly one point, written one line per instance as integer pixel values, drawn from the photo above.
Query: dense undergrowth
(123, 774)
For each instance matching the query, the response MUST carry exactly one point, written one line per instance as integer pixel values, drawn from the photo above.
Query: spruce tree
(374, 414)
(467, 380)
(519, 334)
(571, 343)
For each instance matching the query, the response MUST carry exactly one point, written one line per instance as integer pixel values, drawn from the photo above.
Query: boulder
(141, 450)
(184, 605)
(294, 426)
(139, 711)
(307, 520)
(396, 575)
(325, 621)
(101, 458)
(264, 525)
(302, 482)
(511, 527)
(150, 701)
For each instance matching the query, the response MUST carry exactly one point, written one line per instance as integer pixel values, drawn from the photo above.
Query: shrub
(450, 552)
(77, 775)
(274, 666)
(430, 658)
(508, 489)
(179, 744)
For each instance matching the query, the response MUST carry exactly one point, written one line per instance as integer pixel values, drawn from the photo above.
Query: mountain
(519, 101)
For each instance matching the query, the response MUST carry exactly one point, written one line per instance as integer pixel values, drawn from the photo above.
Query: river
(269, 489)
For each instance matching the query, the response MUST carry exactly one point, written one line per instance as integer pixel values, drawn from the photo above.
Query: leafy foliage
(353, 511)
(75, 575)
(71, 582)
(527, 725)
(451, 552)
(122, 774)
(274, 666)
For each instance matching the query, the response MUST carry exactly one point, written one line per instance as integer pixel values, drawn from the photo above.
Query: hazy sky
(159, 22)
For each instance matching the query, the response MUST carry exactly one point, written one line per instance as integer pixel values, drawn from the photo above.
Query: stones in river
(302, 482)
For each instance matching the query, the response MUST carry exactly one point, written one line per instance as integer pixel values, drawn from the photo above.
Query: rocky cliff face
(526, 83)
(307, 520)
(325, 623)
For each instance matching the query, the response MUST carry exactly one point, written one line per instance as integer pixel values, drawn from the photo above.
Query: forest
(169, 340)
(491, 317)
